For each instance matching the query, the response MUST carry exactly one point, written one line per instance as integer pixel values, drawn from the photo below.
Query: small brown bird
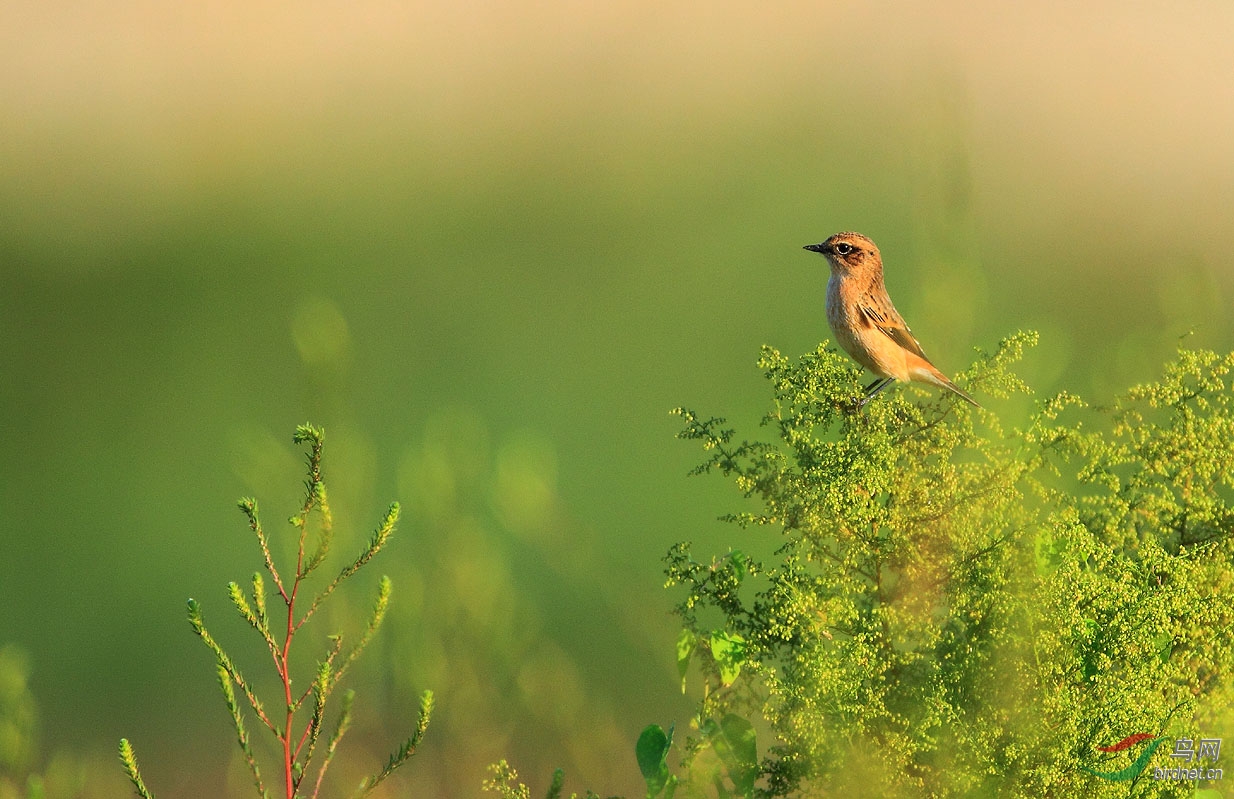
(865, 322)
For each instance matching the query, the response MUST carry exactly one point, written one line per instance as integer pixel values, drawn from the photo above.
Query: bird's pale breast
(866, 344)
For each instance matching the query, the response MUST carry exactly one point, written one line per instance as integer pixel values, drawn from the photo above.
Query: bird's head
(849, 252)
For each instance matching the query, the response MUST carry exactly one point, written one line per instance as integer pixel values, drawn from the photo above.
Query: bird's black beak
(820, 248)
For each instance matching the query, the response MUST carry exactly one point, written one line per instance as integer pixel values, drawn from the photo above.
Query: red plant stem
(285, 674)
(304, 737)
(289, 754)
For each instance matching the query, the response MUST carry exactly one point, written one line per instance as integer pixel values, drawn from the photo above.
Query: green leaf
(1164, 644)
(741, 564)
(652, 753)
(729, 651)
(685, 650)
(738, 751)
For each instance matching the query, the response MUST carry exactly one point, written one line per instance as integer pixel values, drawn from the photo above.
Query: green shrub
(954, 609)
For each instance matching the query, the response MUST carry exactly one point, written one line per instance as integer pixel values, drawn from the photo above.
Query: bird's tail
(953, 388)
(933, 375)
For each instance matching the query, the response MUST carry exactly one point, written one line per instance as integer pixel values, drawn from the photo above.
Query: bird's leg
(874, 388)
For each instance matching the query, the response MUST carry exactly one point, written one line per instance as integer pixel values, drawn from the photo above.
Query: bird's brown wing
(876, 306)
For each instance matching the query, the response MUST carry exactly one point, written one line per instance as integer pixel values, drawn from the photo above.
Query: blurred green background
(488, 247)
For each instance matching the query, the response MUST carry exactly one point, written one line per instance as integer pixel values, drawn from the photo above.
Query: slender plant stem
(288, 753)
(299, 747)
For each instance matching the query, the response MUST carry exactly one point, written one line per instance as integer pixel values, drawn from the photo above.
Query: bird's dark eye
(842, 248)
